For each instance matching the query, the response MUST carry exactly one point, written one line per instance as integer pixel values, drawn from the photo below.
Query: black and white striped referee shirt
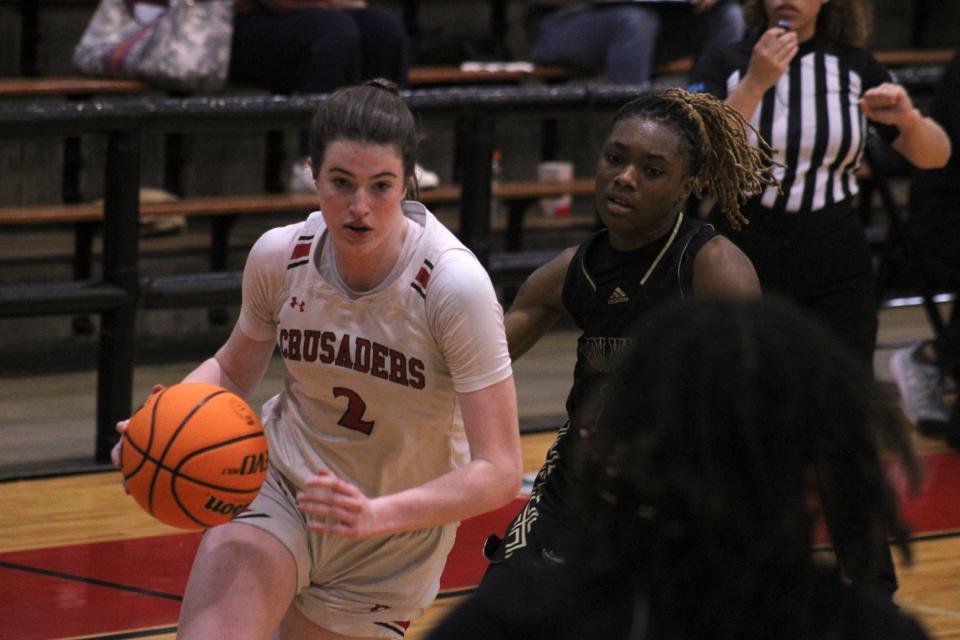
(810, 117)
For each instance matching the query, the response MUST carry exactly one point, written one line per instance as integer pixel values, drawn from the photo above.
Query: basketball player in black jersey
(729, 426)
(661, 148)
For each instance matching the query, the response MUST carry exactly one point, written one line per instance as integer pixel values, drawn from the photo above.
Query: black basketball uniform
(606, 291)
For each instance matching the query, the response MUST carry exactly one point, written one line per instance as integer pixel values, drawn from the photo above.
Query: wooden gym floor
(78, 559)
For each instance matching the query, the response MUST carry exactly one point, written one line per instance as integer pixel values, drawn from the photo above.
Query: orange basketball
(194, 455)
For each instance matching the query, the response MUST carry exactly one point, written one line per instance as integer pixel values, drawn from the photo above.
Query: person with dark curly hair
(803, 80)
(726, 428)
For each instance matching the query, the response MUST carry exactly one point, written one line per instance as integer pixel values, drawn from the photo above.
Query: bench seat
(419, 76)
(266, 203)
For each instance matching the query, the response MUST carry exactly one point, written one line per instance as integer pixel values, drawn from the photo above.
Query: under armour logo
(617, 297)
(294, 304)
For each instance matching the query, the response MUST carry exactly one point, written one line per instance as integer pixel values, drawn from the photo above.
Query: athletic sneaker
(301, 178)
(426, 179)
(920, 385)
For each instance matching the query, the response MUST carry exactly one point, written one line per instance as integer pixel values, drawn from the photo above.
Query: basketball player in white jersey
(398, 415)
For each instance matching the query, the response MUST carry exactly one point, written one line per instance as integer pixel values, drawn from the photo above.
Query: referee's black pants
(822, 261)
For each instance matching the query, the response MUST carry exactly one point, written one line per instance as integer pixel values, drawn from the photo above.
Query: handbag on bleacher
(181, 45)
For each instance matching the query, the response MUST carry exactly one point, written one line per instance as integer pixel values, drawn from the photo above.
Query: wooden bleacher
(272, 203)
(420, 76)
(518, 195)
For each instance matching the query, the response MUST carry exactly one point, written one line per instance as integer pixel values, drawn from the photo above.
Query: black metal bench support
(120, 268)
(475, 137)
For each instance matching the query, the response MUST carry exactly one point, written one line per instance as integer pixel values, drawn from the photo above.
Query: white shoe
(425, 179)
(920, 386)
(162, 226)
(301, 178)
(158, 225)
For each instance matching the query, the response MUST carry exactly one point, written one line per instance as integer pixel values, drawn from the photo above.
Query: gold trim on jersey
(653, 265)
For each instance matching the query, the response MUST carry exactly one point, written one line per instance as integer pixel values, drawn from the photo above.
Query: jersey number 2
(352, 418)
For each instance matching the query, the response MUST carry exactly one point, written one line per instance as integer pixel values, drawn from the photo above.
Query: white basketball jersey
(371, 384)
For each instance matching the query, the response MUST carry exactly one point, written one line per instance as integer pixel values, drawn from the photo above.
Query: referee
(802, 80)
(805, 84)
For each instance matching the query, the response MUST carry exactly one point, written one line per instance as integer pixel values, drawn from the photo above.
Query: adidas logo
(617, 297)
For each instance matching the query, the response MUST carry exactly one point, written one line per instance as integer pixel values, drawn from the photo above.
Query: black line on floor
(942, 535)
(455, 593)
(921, 537)
(93, 581)
(541, 423)
(142, 633)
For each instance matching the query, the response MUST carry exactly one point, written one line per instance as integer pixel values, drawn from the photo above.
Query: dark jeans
(625, 40)
(317, 50)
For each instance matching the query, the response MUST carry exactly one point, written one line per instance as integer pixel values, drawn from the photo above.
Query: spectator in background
(725, 428)
(934, 227)
(625, 40)
(316, 46)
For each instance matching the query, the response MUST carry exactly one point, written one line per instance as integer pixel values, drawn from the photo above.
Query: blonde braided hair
(722, 158)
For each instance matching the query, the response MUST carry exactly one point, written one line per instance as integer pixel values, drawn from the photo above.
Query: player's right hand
(771, 56)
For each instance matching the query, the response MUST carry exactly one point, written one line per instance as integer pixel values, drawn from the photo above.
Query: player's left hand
(116, 454)
(889, 103)
(340, 506)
